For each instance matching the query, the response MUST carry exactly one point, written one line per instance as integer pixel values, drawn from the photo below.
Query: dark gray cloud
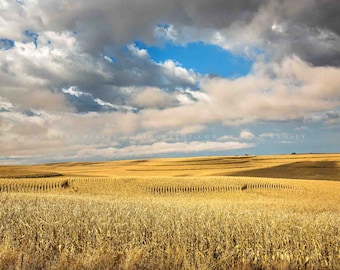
(333, 115)
(311, 32)
(324, 14)
(317, 46)
(103, 24)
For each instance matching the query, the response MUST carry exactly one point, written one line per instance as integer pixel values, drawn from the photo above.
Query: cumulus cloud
(173, 71)
(151, 97)
(58, 63)
(104, 23)
(289, 90)
(137, 52)
(246, 135)
(181, 147)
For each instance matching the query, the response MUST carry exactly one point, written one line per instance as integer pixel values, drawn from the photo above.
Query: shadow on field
(318, 170)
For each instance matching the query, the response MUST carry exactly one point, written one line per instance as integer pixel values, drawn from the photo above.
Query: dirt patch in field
(318, 170)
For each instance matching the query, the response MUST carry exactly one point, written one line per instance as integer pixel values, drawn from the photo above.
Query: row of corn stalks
(169, 189)
(100, 184)
(33, 185)
(47, 184)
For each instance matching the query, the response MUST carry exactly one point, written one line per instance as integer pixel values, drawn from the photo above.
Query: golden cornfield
(79, 221)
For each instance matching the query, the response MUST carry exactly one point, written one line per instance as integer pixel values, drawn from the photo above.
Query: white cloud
(200, 96)
(192, 129)
(108, 59)
(74, 91)
(104, 103)
(274, 135)
(277, 27)
(108, 104)
(226, 138)
(165, 148)
(173, 70)
(167, 32)
(137, 51)
(184, 100)
(5, 105)
(246, 135)
(151, 97)
(40, 72)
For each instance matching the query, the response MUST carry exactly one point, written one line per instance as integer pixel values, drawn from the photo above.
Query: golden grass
(152, 221)
(308, 166)
(12, 172)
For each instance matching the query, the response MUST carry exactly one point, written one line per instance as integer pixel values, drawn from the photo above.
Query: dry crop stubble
(163, 220)
(254, 228)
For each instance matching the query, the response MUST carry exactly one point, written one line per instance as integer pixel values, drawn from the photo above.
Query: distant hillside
(307, 166)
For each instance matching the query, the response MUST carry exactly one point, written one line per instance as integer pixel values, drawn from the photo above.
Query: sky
(105, 80)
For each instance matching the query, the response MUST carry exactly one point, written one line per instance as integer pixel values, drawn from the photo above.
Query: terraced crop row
(161, 185)
(32, 185)
(172, 189)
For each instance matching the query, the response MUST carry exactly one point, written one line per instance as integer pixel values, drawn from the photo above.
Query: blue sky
(206, 59)
(139, 79)
(6, 44)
